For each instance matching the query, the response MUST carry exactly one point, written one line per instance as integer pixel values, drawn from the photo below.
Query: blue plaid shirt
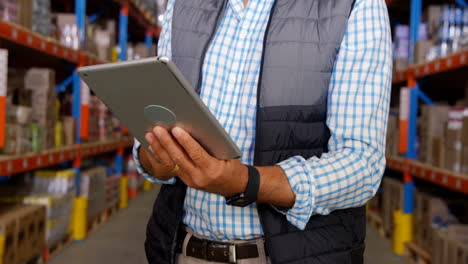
(350, 173)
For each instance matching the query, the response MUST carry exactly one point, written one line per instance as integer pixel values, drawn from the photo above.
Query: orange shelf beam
(28, 162)
(445, 178)
(444, 64)
(22, 36)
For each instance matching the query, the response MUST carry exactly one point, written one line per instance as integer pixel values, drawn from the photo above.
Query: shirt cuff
(141, 170)
(302, 185)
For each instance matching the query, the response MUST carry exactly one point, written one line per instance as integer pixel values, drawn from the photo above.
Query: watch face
(242, 202)
(239, 200)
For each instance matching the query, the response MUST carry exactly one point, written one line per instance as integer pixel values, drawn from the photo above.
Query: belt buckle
(232, 254)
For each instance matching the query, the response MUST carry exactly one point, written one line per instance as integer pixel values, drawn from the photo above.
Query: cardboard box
(392, 200)
(69, 130)
(41, 81)
(438, 152)
(433, 123)
(464, 168)
(16, 139)
(92, 187)
(449, 248)
(432, 18)
(453, 140)
(465, 127)
(26, 13)
(8, 237)
(421, 49)
(21, 225)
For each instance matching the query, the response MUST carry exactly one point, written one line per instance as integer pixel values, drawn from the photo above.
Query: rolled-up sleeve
(164, 49)
(349, 174)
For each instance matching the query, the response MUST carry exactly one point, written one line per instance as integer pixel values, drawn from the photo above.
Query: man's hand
(162, 169)
(197, 168)
(200, 170)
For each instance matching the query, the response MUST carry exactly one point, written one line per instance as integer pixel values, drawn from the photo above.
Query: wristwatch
(249, 196)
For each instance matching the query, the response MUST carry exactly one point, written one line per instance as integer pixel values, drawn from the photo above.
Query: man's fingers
(158, 151)
(176, 153)
(194, 150)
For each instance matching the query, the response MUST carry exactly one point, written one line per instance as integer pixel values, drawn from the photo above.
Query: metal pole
(123, 31)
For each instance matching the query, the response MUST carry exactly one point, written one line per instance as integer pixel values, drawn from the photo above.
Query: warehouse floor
(121, 240)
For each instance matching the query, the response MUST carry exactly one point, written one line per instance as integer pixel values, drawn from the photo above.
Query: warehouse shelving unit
(11, 165)
(452, 62)
(409, 78)
(26, 40)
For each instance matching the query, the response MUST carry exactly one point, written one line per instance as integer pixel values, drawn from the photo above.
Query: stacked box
(24, 227)
(16, 139)
(101, 122)
(433, 213)
(9, 10)
(465, 140)
(59, 208)
(104, 40)
(392, 136)
(431, 132)
(42, 17)
(453, 140)
(8, 234)
(112, 191)
(451, 246)
(54, 181)
(41, 82)
(69, 130)
(92, 187)
(67, 30)
(392, 200)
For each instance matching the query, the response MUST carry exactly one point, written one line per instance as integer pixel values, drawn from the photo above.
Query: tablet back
(148, 92)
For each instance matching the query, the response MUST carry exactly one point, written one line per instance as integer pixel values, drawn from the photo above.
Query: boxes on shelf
(392, 200)
(69, 130)
(112, 190)
(41, 82)
(93, 183)
(421, 49)
(54, 181)
(67, 30)
(36, 16)
(9, 10)
(102, 124)
(453, 140)
(59, 209)
(16, 139)
(104, 39)
(451, 246)
(393, 135)
(24, 229)
(432, 130)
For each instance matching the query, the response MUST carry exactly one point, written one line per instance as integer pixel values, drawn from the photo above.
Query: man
(302, 87)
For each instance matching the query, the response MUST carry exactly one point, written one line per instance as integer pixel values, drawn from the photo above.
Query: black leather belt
(217, 251)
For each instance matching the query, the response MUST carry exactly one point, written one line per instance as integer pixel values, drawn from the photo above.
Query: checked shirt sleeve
(164, 49)
(359, 94)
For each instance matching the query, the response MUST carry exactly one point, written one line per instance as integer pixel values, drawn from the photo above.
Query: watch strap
(253, 185)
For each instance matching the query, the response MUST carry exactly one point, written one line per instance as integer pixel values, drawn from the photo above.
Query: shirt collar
(237, 6)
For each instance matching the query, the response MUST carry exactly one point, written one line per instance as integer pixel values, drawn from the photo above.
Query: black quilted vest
(301, 44)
